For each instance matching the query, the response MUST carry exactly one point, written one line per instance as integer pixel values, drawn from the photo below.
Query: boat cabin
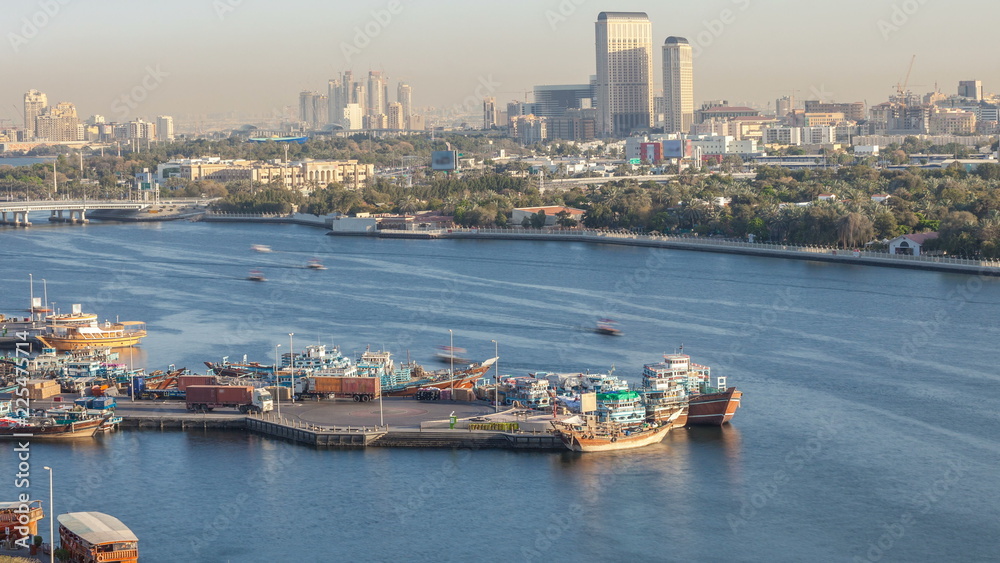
(94, 536)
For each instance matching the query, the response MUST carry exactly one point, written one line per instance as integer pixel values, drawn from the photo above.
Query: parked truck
(361, 389)
(204, 398)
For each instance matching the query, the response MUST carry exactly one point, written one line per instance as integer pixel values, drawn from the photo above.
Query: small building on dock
(19, 522)
(92, 537)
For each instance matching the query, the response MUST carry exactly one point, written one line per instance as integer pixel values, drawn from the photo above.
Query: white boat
(260, 248)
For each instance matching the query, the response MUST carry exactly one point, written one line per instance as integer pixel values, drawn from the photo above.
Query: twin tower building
(624, 90)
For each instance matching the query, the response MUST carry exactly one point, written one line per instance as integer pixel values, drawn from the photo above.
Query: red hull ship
(669, 384)
(713, 409)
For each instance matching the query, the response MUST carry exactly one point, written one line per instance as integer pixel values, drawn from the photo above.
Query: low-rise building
(518, 216)
(910, 245)
(303, 175)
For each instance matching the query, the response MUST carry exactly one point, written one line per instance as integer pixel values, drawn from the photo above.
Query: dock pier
(308, 434)
(312, 435)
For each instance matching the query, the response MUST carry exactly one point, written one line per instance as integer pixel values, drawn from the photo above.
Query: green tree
(538, 219)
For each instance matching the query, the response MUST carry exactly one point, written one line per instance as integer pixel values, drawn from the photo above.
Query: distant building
(58, 123)
(946, 121)
(554, 101)
(307, 112)
(531, 129)
(304, 175)
(35, 103)
(972, 89)
(164, 128)
(574, 125)
(490, 113)
(910, 245)
(724, 112)
(378, 93)
(353, 117)
(782, 106)
(854, 111)
(404, 95)
(624, 93)
(678, 85)
(395, 117)
(141, 130)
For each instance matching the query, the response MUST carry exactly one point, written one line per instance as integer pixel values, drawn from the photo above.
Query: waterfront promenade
(624, 238)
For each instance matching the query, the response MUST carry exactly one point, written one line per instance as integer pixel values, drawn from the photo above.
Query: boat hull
(410, 389)
(580, 441)
(714, 409)
(73, 344)
(80, 429)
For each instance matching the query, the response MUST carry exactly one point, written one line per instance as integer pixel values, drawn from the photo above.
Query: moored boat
(80, 336)
(48, 427)
(442, 379)
(585, 434)
(714, 408)
(676, 382)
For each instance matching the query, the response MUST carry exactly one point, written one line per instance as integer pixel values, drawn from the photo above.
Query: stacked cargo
(39, 389)
(184, 380)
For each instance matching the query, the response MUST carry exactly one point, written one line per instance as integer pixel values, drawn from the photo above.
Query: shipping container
(186, 380)
(357, 388)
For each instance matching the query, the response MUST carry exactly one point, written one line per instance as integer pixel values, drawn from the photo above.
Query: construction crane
(901, 87)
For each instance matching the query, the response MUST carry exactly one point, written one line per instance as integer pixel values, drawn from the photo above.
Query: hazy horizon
(252, 57)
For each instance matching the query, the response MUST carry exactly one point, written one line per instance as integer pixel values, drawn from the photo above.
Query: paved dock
(398, 422)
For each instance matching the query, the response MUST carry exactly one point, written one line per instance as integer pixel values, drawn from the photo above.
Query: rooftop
(96, 527)
(604, 16)
(921, 238)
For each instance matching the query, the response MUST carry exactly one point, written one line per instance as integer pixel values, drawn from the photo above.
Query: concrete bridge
(18, 210)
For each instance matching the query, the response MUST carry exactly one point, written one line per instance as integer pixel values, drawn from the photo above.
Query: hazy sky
(256, 55)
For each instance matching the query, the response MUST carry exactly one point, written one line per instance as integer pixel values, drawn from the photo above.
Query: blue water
(868, 430)
(25, 160)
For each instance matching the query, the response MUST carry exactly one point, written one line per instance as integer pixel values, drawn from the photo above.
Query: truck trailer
(204, 398)
(361, 389)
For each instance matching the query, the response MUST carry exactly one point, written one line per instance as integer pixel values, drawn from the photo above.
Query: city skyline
(193, 58)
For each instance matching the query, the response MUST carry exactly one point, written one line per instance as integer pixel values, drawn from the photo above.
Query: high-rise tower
(678, 85)
(624, 93)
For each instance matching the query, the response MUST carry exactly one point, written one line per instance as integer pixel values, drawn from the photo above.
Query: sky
(141, 58)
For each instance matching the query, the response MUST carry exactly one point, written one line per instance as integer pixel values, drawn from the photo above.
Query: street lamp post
(277, 384)
(291, 362)
(496, 366)
(451, 371)
(52, 521)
